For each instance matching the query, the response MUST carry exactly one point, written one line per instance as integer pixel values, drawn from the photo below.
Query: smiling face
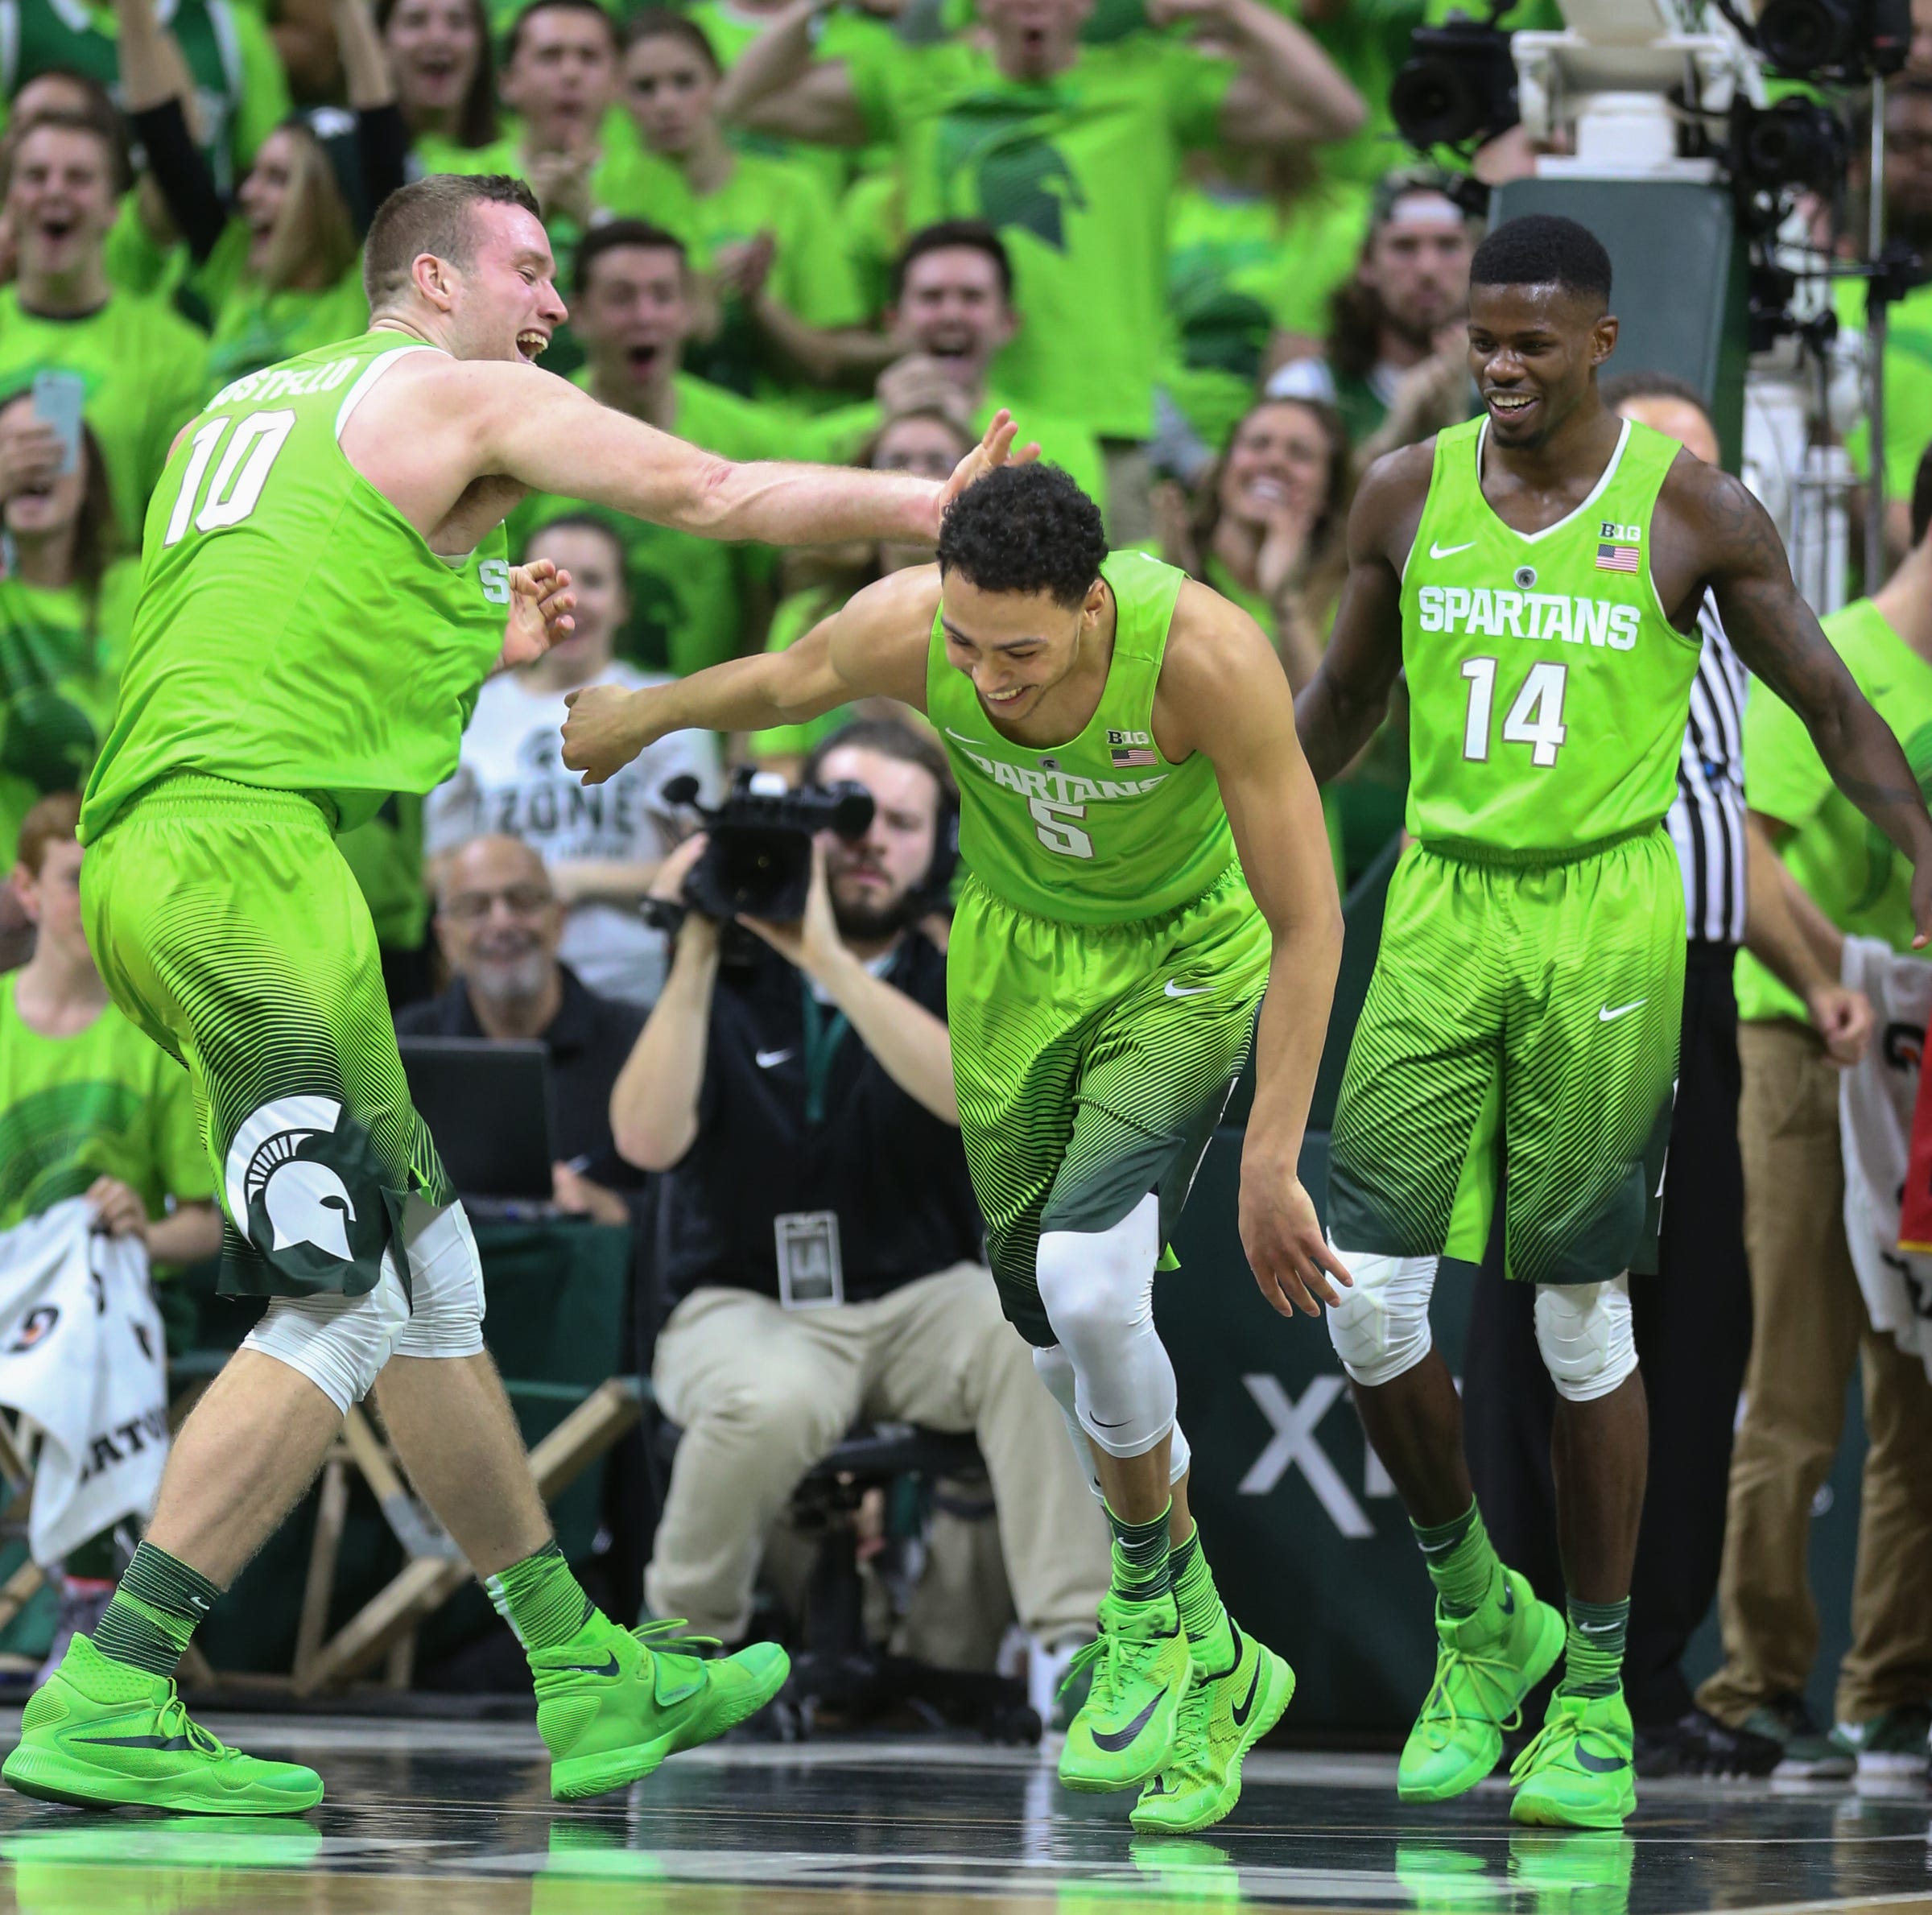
(433, 47)
(498, 920)
(504, 304)
(595, 561)
(266, 190)
(1016, 647)
(51, 508)
(954, 307)
(1278, 460)
(61, 201)
(1533, 352)
(632, 317)
(563, 78)
(670, 86)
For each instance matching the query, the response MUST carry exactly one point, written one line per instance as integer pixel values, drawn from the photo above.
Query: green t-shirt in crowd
(60, 655)
(1842, 861)
(146, 371)
(811, 276)
(1908, 384)
(432, 153)
(690, 597)
(106, 1102)
(385, 854)
(1076, 174)
(836, 438)
(1240, 269)
(255, 327)
(240, 88)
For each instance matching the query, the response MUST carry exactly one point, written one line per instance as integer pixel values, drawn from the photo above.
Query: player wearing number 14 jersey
(1536, 574)
(1145, 854)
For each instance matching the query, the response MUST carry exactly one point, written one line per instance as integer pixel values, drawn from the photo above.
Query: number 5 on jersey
(1052, 828)
(1536, 718)
(236, 488)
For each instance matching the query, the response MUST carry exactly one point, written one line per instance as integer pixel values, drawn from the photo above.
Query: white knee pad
(1583, 1332)
(341, 1343)
(1097, 1290)
(1055, 1370)
(1381, 1327)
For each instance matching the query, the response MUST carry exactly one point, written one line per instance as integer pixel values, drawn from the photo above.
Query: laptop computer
(488, 1106)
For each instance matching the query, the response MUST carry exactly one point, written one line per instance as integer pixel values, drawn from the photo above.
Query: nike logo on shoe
(1599, 1765)
(1114, 1741)
(1247, 1708)
(1448, 551)
(1605, 1015)
(608, 1667)
(160, 1742)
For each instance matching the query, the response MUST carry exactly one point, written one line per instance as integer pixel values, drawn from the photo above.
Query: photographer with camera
(825, 1254)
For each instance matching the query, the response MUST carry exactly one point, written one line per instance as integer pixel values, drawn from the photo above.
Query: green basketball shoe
(613, 1703)
(1577, 1774)
(1222, 1717)
(99, 1734)
(1488, 1662)
(1123, 1734)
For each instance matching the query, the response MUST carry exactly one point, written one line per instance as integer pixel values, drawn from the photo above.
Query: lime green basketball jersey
(1101, 830)
(1548, 692)
(295, 630)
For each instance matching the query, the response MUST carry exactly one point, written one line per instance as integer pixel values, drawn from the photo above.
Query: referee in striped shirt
(1693, 1319)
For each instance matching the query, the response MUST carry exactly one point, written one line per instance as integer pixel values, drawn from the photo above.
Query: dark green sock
(1140, 1558)
(157, 1608)
(540, 1599)
(1462, 1561)
(1204, 1615)
(1593, 1647)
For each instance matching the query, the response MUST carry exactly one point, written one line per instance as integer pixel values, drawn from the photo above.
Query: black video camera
(757, 856)
(1847, 40)
(1458, 86)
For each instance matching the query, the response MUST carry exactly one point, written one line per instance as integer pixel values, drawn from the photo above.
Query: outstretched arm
(1225, 693)
(1778, 636)
(874, 647)
(1339, 707)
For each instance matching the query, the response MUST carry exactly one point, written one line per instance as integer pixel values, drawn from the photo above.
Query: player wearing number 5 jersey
(1145, 855)
(323, 590)
(1537, 574)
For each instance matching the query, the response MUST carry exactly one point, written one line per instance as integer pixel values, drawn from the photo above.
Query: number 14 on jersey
(1535, 718)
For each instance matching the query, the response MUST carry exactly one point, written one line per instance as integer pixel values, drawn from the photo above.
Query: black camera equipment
(1458, 86)
(1847, 40)
(1796, 142)
(758, 856)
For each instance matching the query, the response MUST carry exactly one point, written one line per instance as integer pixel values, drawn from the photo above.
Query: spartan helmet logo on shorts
(288, 1176)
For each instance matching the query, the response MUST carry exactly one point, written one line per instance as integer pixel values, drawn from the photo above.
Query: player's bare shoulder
(881, 639)
(1217, 660)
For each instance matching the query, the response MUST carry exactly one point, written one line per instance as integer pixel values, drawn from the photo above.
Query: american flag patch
(1124, 758)
(1616, 558)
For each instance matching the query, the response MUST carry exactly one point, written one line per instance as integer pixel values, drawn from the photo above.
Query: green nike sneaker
(1488, 1662)
(1123, 1734)
(1222, 1717)
(1578, 1773)
(99, 1734)
(613, 1703)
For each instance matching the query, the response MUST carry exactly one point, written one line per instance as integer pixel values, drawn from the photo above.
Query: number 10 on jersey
(236, 488)
(1536, 718)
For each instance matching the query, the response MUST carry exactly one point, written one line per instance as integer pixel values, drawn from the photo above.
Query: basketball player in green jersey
(1536, 574)
(325, 588)
(1145, 854)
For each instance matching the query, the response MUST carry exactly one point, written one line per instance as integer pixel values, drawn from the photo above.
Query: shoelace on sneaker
(175, 1720)
(1559, 1734)
(1440, 1705)
(1101, 1656)
(669, 1648)
(1190, 1750)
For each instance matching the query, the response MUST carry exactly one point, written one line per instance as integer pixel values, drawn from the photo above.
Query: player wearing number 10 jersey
(1536, 574)
(1120, 734)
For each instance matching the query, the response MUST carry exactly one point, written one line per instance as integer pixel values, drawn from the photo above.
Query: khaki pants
(1810, 1324)
(762, 1394)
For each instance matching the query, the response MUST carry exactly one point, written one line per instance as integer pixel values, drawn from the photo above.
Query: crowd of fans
(1176, 238)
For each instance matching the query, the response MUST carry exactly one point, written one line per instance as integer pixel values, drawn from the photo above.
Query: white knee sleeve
(1055, 1370)
(1097, 1290)
(1381, 1327)
(341, 1343)
(1583, 1332)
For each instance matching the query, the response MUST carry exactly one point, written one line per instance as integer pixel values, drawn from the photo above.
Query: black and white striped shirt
(1707, 821)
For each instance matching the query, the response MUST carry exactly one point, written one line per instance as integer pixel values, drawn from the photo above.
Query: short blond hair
(431, 215)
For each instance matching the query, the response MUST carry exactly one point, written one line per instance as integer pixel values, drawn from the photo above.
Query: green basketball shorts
(226, 924)
(1092, 1062)
(1525, 1014)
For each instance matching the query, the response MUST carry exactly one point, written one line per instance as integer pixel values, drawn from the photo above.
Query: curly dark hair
(1543, 249)
(1024, 529)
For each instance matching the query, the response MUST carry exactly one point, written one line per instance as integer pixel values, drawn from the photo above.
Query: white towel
(82, 1361)
(1876, 1100)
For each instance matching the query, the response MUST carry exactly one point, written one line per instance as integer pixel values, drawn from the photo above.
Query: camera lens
(1803, 36)
(1434, 103)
